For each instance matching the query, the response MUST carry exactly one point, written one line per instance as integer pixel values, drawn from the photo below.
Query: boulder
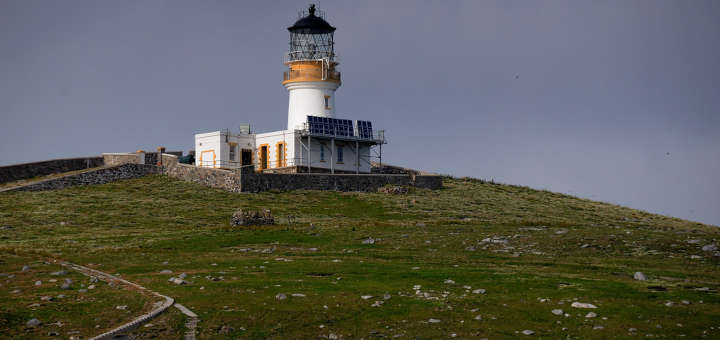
(246, 218)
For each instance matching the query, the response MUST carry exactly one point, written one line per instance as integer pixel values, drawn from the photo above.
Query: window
(322, 152)
(339, 154)
(233, 152)
(280, 154)
(327, 102)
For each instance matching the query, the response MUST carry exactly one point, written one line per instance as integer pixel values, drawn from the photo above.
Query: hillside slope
(474, 259)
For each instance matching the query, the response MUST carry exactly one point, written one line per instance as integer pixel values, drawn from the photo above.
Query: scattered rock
(123, 307)
(528, 332)
(66, 285)
(590, 315)
(710, 247)
(386, 296)
(245, 218)
(479, 291)
(332, 336)
(225, 330)
(280, 296)
(433, 321)
(377, 303)
(393, 190)
(420, 224)
(598, 327)
(557, 311)
(449, 282)
(26, 268)
(38, 283)
(639, 276)
(298, 295)
(366, 297)
(59, 273)
(583, 305)
(182, 275)
(33, 323)
(369, 240)
(166, 271)
(53, 334)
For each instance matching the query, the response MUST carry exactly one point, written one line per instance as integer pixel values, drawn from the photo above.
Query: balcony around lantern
(332, 58)
(311, 75)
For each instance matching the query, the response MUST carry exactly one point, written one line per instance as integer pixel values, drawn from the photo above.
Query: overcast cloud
(617, 101)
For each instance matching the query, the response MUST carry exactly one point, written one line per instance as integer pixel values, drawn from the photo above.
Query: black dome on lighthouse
(311, 24)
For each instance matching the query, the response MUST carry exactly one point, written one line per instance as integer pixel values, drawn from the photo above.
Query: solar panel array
(339, 127)
(364, 129)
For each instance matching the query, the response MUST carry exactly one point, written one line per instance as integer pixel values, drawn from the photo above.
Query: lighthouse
(312, 77)
(315, 140)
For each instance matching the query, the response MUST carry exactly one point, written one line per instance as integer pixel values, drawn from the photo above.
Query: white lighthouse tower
(314, 140)
(312, 78)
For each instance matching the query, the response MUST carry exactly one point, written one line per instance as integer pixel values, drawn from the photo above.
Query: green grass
(550, 250)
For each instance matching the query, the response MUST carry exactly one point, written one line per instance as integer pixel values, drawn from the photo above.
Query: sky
(616, 101)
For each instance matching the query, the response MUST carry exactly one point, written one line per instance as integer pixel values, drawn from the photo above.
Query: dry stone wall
(18, 172)
(100, 176)
(254, 182)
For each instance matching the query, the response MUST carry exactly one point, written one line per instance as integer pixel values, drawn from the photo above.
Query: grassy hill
(474, 259)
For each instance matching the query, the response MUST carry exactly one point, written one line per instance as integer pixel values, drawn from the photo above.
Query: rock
(366, 297)
(479, 291)
(166, 271)
(66, 285)
(59, 273)
(710, 247)
(182, 275)
(46, 298)
(82, 290)
(433, 321)
(528, 332)
(632, 330)
(590, 315)
(93, 279)
(420, 224)
(226, 330)
(298, 295)
(26, 268)
(246, 218)
(583, 305)
(557, 311)
(332, 336)
(33, 323)
(91, 287)
(478, 317)
(377, 303)
(639, 276)
(368, 241)
(393, 190)
(598, 327)
(280, 296)
(123, 307)
(449, 282)
(386, 296)
(53, 334)
(38, 283)
(178, 281)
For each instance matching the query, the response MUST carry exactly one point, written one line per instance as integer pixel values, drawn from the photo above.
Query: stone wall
(151, 158)
(100, 176)
(114, 159)
(18, 172)
(256, 182)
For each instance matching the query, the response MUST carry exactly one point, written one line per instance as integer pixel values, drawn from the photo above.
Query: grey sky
(581, 97)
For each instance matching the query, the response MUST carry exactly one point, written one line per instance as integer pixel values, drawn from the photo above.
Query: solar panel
(331, 126)
(364, 129)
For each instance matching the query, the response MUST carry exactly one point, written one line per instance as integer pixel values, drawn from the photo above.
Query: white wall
(272, 139)
(308, 98)
(213, 149)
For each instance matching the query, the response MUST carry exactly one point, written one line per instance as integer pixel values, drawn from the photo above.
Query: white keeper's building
(315, 140)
